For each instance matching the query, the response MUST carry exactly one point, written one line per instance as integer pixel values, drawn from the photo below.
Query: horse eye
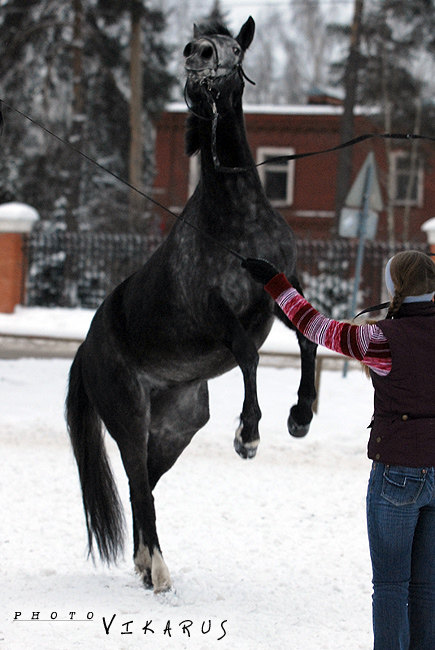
(188, 50)
(236, 50)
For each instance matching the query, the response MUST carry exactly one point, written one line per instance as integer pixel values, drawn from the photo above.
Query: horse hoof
(159, 573)
(247, 450)
(297, 430)
(163, 588)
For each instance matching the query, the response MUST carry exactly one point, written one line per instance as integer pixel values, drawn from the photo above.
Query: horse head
(213, 63)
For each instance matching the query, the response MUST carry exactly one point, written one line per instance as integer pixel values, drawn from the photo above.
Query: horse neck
(231, 148)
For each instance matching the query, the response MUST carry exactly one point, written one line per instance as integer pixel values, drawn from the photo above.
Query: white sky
(240, 10)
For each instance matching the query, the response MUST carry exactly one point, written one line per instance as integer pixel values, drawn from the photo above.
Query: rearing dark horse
(189, 314)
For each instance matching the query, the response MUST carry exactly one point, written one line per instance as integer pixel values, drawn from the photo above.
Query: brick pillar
(16, 221)
(429, 228)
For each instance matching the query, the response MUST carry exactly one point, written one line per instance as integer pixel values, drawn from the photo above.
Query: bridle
(213, 70)
(237, 69)
(207, 81)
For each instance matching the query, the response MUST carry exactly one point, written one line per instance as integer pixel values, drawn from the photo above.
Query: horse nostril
(206, 52)
(188, 50)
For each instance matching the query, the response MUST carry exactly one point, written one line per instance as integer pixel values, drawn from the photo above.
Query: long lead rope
(119, 178)
(179, 217)
(350, 143)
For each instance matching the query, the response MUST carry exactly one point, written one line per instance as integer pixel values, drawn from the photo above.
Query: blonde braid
(396, 303)
(412, 274)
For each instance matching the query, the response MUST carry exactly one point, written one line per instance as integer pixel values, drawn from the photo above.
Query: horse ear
(246, 34)
(196, 31)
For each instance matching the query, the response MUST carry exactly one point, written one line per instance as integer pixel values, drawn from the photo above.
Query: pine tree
(395, 36)
(66, 64)
(350, 82)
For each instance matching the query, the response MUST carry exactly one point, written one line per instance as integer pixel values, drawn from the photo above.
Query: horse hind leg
(247, 438)
(124, 406)
(176, 415)
(143, 562)
(151, 568)
(148, 557)
(142, 558)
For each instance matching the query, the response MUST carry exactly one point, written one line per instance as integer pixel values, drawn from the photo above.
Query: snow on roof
(283, 109)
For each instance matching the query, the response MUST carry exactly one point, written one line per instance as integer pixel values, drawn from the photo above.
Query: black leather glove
(260, 270)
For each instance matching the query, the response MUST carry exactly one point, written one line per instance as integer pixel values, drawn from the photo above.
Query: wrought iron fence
(80, 269)
(327, 273)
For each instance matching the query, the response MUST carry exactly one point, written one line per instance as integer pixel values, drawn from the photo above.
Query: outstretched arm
(365, 343)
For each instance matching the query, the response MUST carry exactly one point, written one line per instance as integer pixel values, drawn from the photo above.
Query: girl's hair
(413, 274)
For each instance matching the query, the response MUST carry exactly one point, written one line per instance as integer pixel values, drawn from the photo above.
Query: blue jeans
(401, 529)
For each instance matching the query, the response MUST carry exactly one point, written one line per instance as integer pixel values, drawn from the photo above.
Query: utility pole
(72, 187)
(136, 109)
(344, 170)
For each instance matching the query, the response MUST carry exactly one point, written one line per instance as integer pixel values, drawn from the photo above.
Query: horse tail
(101, 502)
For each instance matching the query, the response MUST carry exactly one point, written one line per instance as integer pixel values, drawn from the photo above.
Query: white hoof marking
(253, 444)
(159, 573)
(142, 559)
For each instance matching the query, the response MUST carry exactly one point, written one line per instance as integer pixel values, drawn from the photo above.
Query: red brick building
(302, 190)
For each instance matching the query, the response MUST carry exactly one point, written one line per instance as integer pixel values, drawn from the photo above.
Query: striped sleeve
(365, 343)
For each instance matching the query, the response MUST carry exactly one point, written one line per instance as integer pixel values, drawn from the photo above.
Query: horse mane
(214, 27)
(191, 137)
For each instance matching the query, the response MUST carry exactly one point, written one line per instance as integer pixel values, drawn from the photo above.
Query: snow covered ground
(267, 553)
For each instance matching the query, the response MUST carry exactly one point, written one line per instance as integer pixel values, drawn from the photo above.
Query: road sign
(350, 221)
(355, 197)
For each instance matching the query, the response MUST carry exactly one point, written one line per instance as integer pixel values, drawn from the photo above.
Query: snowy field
(268, 553)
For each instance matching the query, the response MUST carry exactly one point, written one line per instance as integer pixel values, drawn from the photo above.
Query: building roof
(283, 109)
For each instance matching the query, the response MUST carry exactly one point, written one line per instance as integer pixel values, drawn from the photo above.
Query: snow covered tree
(350, 83)
(396, 42)
(66, 64)
(289, 54)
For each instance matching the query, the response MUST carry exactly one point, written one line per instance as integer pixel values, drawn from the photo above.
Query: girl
(400, 353)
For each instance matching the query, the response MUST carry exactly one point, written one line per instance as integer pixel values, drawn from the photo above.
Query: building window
(401, 170)
(277, 177)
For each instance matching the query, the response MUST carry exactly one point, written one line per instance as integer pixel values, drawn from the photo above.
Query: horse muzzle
(196, 74)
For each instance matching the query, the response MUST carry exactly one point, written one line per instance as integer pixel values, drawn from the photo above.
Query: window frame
(262, 154)
(418, 199)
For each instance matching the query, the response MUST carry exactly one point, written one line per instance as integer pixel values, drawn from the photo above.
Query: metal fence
(80, 269)
(327, 273)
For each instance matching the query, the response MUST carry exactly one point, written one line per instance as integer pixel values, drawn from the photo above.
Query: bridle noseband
(189, 50)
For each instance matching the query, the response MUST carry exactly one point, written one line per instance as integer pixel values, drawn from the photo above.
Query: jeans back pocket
(402, 486)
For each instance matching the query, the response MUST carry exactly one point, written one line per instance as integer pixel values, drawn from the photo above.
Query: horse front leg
(230, 331)
(247, 437)
(301, 413)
